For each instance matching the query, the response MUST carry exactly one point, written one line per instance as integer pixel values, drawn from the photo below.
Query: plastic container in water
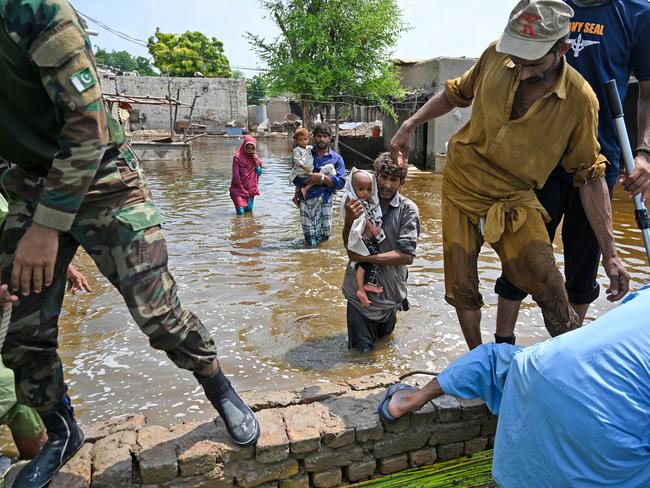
(233, 131)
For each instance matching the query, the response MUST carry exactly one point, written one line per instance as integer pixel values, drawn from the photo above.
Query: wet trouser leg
(119, 228)
(363, 333)
(581, 251)
(316, 219)
(30, 348)
(461, 246)
(249, 207)
(527, 261)
(129, 248)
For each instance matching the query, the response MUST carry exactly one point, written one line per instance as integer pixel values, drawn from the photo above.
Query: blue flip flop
(382, 408)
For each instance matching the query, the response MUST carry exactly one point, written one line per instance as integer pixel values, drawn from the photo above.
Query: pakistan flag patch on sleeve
(83, 79)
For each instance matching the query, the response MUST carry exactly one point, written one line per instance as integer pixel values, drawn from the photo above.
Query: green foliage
(333, 49)
(237, 74)
(124, 61)
(188, 53)
(471, 472)
(256, 90)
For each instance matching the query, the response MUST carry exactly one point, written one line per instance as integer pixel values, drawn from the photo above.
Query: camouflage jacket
(54, 124)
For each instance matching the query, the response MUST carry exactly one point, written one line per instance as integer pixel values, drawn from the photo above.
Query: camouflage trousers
(119, 227)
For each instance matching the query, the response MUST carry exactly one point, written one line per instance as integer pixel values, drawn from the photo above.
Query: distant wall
(221, 100)
(277, 109)
(429, 76)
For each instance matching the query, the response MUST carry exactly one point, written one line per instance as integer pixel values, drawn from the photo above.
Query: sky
(438, 27)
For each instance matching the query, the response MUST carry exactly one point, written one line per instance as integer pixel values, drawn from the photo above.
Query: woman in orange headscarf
(246, 170)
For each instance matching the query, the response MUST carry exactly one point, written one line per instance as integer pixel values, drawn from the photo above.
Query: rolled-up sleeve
(409, 230)
(583, 157)
(460, 91)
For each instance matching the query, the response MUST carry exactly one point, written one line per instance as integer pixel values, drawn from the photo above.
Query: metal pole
(640, 212)
(189, 119)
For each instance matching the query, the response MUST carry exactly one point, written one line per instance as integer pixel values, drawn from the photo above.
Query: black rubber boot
(238, 417)
(64, 438)
(505, 340)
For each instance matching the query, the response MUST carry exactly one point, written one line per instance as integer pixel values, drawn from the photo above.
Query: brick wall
(324, 435)
(221, 100)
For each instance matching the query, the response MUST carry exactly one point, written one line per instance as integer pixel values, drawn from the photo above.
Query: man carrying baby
(303, 166)
(316, 205)
(401, 227)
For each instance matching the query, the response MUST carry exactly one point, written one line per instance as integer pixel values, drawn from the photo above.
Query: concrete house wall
(429, 76)
(221, 100)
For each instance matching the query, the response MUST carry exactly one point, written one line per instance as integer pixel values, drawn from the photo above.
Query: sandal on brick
(382, 409)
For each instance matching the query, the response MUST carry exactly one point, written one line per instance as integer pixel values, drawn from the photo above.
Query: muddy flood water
(251, 278)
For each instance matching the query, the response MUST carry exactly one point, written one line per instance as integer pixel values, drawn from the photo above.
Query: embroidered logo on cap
(82, 80)
(527, 22)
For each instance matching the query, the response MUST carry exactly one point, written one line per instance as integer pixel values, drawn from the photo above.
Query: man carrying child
(401, 227)
(316, 202)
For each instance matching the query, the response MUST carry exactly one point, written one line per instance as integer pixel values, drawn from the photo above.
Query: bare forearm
(395, 258)
(595, 200)
(438, 106)
(346, 234)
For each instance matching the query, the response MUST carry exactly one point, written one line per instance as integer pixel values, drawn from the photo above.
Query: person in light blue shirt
(573, 410)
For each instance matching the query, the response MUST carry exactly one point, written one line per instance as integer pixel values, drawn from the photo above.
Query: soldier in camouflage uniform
(75, 182)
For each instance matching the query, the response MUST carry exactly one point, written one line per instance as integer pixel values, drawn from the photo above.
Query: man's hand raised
(353, 210)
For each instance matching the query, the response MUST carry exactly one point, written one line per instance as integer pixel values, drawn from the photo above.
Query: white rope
(4, 323)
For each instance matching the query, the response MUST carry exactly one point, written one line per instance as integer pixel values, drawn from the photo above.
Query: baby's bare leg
(361, 294)
(305, 189)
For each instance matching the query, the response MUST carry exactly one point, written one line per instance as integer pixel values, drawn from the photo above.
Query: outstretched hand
(619, 279)
(353, 210)
(77, 281)
(400, 145)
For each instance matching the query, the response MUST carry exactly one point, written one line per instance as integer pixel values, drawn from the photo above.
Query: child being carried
(303, 165)
(366, 232)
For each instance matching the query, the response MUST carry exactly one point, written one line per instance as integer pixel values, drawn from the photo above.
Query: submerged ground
(251, 279)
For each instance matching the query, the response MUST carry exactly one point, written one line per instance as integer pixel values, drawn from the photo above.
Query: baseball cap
(534, 27)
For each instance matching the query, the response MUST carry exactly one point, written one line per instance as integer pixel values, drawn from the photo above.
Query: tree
(333, 51)
(188, 53)
(237, 74)
(256, 90)
(124, 61)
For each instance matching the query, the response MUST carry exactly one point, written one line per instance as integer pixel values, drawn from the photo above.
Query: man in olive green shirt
(531, 110)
